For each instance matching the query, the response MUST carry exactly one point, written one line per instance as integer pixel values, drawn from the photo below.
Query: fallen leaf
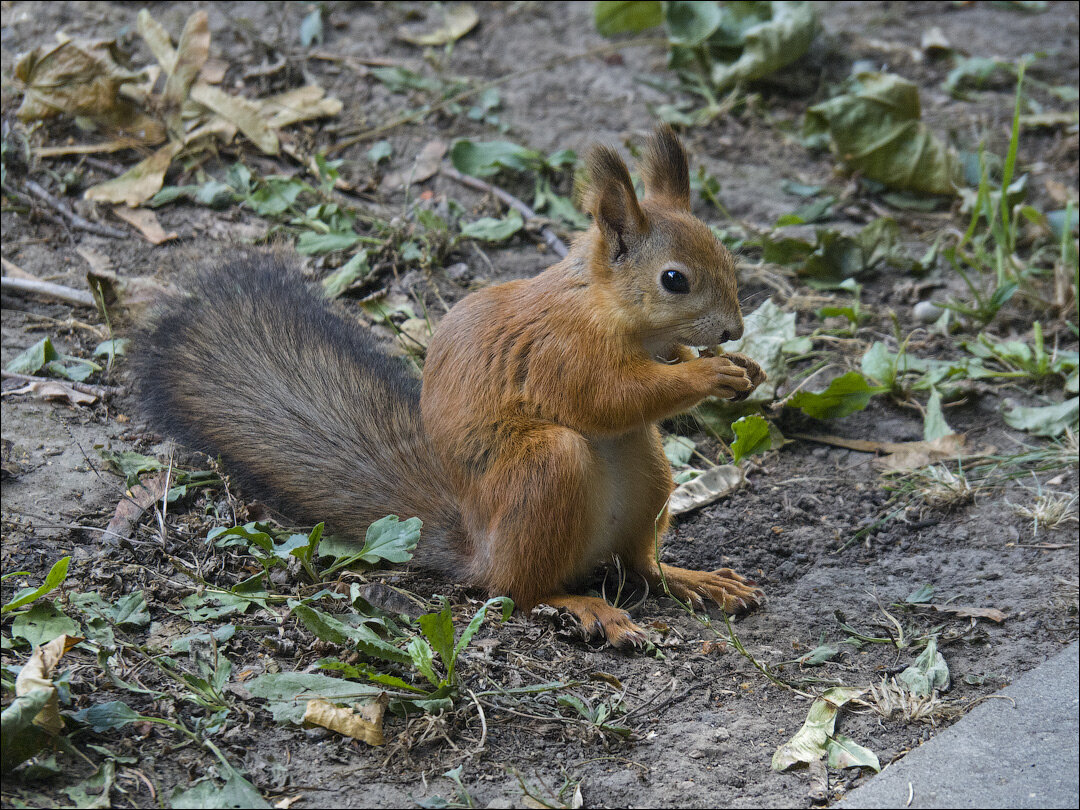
(139, 183)
(128, 294)
(425, 166)
(902, 456)
(706, 488)
(54, 390)
(993, 614)
(299, 104)
(876, 130)
(365, 725)
(457, 22)
(928, 674)
(80, 78)
(146, 222)
(37, 674)
(12, 270)
(810, 742)
(191, 55)
(243, 113)
(137, 500)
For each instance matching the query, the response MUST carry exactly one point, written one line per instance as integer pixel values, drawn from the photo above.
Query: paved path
(997, 755)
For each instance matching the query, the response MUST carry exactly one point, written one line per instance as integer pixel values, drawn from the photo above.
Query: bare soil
(704, 721)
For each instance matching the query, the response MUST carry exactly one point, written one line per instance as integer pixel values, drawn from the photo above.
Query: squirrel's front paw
(754, 372)
(730, 379)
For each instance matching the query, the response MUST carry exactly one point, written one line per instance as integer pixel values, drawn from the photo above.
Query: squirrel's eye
(674, 281)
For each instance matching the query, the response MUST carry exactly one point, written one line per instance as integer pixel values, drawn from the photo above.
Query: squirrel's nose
(732, 334)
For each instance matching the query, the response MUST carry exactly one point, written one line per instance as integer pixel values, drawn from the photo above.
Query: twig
(48, 289)
(85, 388)
(550, 239)
(427, 110)
(75, 220)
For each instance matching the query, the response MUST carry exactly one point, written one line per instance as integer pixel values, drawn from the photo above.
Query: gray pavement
(998, 755)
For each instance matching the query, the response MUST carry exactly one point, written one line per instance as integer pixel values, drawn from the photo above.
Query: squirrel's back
(300, 403)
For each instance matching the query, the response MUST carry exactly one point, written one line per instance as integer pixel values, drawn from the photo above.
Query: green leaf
(54, 579)
(235, 792)
(391, 539)
(488, 229)
(507, 605)
(845, 395)
(31, 360)
(130, 464)
(819, 655)
(487, 158)
(313, 243)
(679, 450)
(754, 435)
(921, 595)
(621, 17)
(438, 628)
(107, 716)
(131, 611)
(117, 347)
(345, 276)
(934, 424)
(20, 739)
(311, 28)
(1051, 420)
(42, 623)
(928, 673)
(809, 742)
(423, 657)
(287, 693)
(691, 23)
(768, 46)
(844, 752)
(875, 130)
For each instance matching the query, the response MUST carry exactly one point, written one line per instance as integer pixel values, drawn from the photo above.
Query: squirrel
(530, 450)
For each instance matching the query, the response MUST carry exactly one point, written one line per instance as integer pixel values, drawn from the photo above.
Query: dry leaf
(146, 222)
(37, 674)
(139, 183)
(13, 270)
(706, 488)
(137, 500)
(993, 614)
(426, 165)
(192, 52)
(240, 111)
(457, 22)
(53, 390)
(128, 294)
(299, 104)
(213, 71)
(365, 726)
(80, 78)
(905, 456)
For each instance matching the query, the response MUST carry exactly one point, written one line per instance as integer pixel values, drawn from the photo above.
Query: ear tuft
(665, 169)
(611, 199)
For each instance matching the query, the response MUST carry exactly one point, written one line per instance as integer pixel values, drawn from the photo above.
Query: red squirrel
(530, 451)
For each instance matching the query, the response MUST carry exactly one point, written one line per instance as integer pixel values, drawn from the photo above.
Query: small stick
(84, 388)
(48, 289)
(71, 216)
(552, 241)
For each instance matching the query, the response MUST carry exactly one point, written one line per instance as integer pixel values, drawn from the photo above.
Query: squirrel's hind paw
(595, 618)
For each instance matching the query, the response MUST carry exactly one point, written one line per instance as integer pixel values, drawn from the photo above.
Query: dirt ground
(808, 525)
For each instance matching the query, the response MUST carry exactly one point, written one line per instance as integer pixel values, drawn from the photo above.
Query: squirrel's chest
(629, 484)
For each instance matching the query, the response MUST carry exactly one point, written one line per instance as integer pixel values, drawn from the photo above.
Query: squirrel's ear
(665, 169)
(611, 200)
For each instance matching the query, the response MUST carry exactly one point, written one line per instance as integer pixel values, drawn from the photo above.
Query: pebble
(927, 312)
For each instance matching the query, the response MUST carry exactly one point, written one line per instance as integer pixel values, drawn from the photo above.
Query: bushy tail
(299, 402)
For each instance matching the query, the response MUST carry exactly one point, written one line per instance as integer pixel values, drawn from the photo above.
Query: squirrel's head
(674, 281)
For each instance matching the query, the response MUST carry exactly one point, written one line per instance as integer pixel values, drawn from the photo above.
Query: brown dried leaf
(137, 500)
(365, 726)
(993, 614)
(54, 390)
(146, 222)
(37, 674)
(456, 23)
(81, 78)
(139, 183)
(905, 456)
(131, 295)
(191, 55)
(299, 104)
(427, 163)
